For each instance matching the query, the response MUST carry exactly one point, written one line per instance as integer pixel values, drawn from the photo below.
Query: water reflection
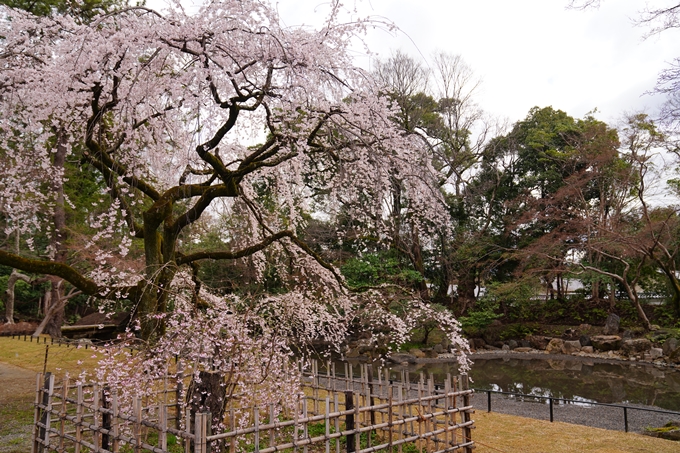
(578, 380)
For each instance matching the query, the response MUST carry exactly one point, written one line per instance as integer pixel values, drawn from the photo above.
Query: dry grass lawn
(31, 356)
(505, 433)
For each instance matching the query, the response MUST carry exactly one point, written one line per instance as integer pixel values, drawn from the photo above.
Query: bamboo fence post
(79, 417)
(362, 377)
(467, 432)
(137, 429)
(115, 423)
(36, 411)
(380, 386)
(371, 400)
(369, 415)
(199, 432)
(349, 422)
(431, 424)
(62, 413)
(256, 421)
(232, 420)
(389, 419)
(296, 424)
(420, 414)
(412, 431)
(357, 420)
(401, 414)
(328, 425)
(187, 430)
(449, 435)
(272, 431)
(96, 433)
(47, 414)
(336, 407)
(106, 419)
(163, 435)
(305, 431)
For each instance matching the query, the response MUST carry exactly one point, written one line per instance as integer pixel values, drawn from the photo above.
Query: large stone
(571, 347)
(611, 327)
(401, 358)
(513, 344)
(606, 342)
(584, 340)
(446, 343)
(430, 353)
(478, 343)
(524, 349)
(637, 346)
(587, 349)
(670, 345)
(674, 357)
(417, 353)
(539, 342)
(555, 346)
(655, 353)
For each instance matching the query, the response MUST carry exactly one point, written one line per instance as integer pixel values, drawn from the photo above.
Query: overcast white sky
(527, 52)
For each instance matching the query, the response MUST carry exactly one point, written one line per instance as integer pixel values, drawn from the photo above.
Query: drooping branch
(62, 270)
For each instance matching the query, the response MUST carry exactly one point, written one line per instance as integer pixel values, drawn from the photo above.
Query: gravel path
(596, 416)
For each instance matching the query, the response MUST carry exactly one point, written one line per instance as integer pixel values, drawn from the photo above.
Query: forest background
(551, 219)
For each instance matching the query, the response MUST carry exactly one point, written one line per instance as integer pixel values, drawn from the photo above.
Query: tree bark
(9, 299)
(467, 282)
(208, 394)
(54, 316)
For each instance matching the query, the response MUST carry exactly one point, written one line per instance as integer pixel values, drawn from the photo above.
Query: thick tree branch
(62, 270)
(227, 255)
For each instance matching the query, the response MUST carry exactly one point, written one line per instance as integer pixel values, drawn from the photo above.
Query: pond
(575, 379)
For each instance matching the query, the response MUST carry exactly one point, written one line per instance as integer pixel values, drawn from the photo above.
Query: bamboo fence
(353, 413)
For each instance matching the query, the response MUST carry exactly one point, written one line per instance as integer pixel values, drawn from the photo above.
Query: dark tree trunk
(208, 394)
(54, 316)
(467, 282)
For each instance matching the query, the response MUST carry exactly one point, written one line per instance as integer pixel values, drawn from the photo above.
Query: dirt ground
(15, 382)
(17, 393)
